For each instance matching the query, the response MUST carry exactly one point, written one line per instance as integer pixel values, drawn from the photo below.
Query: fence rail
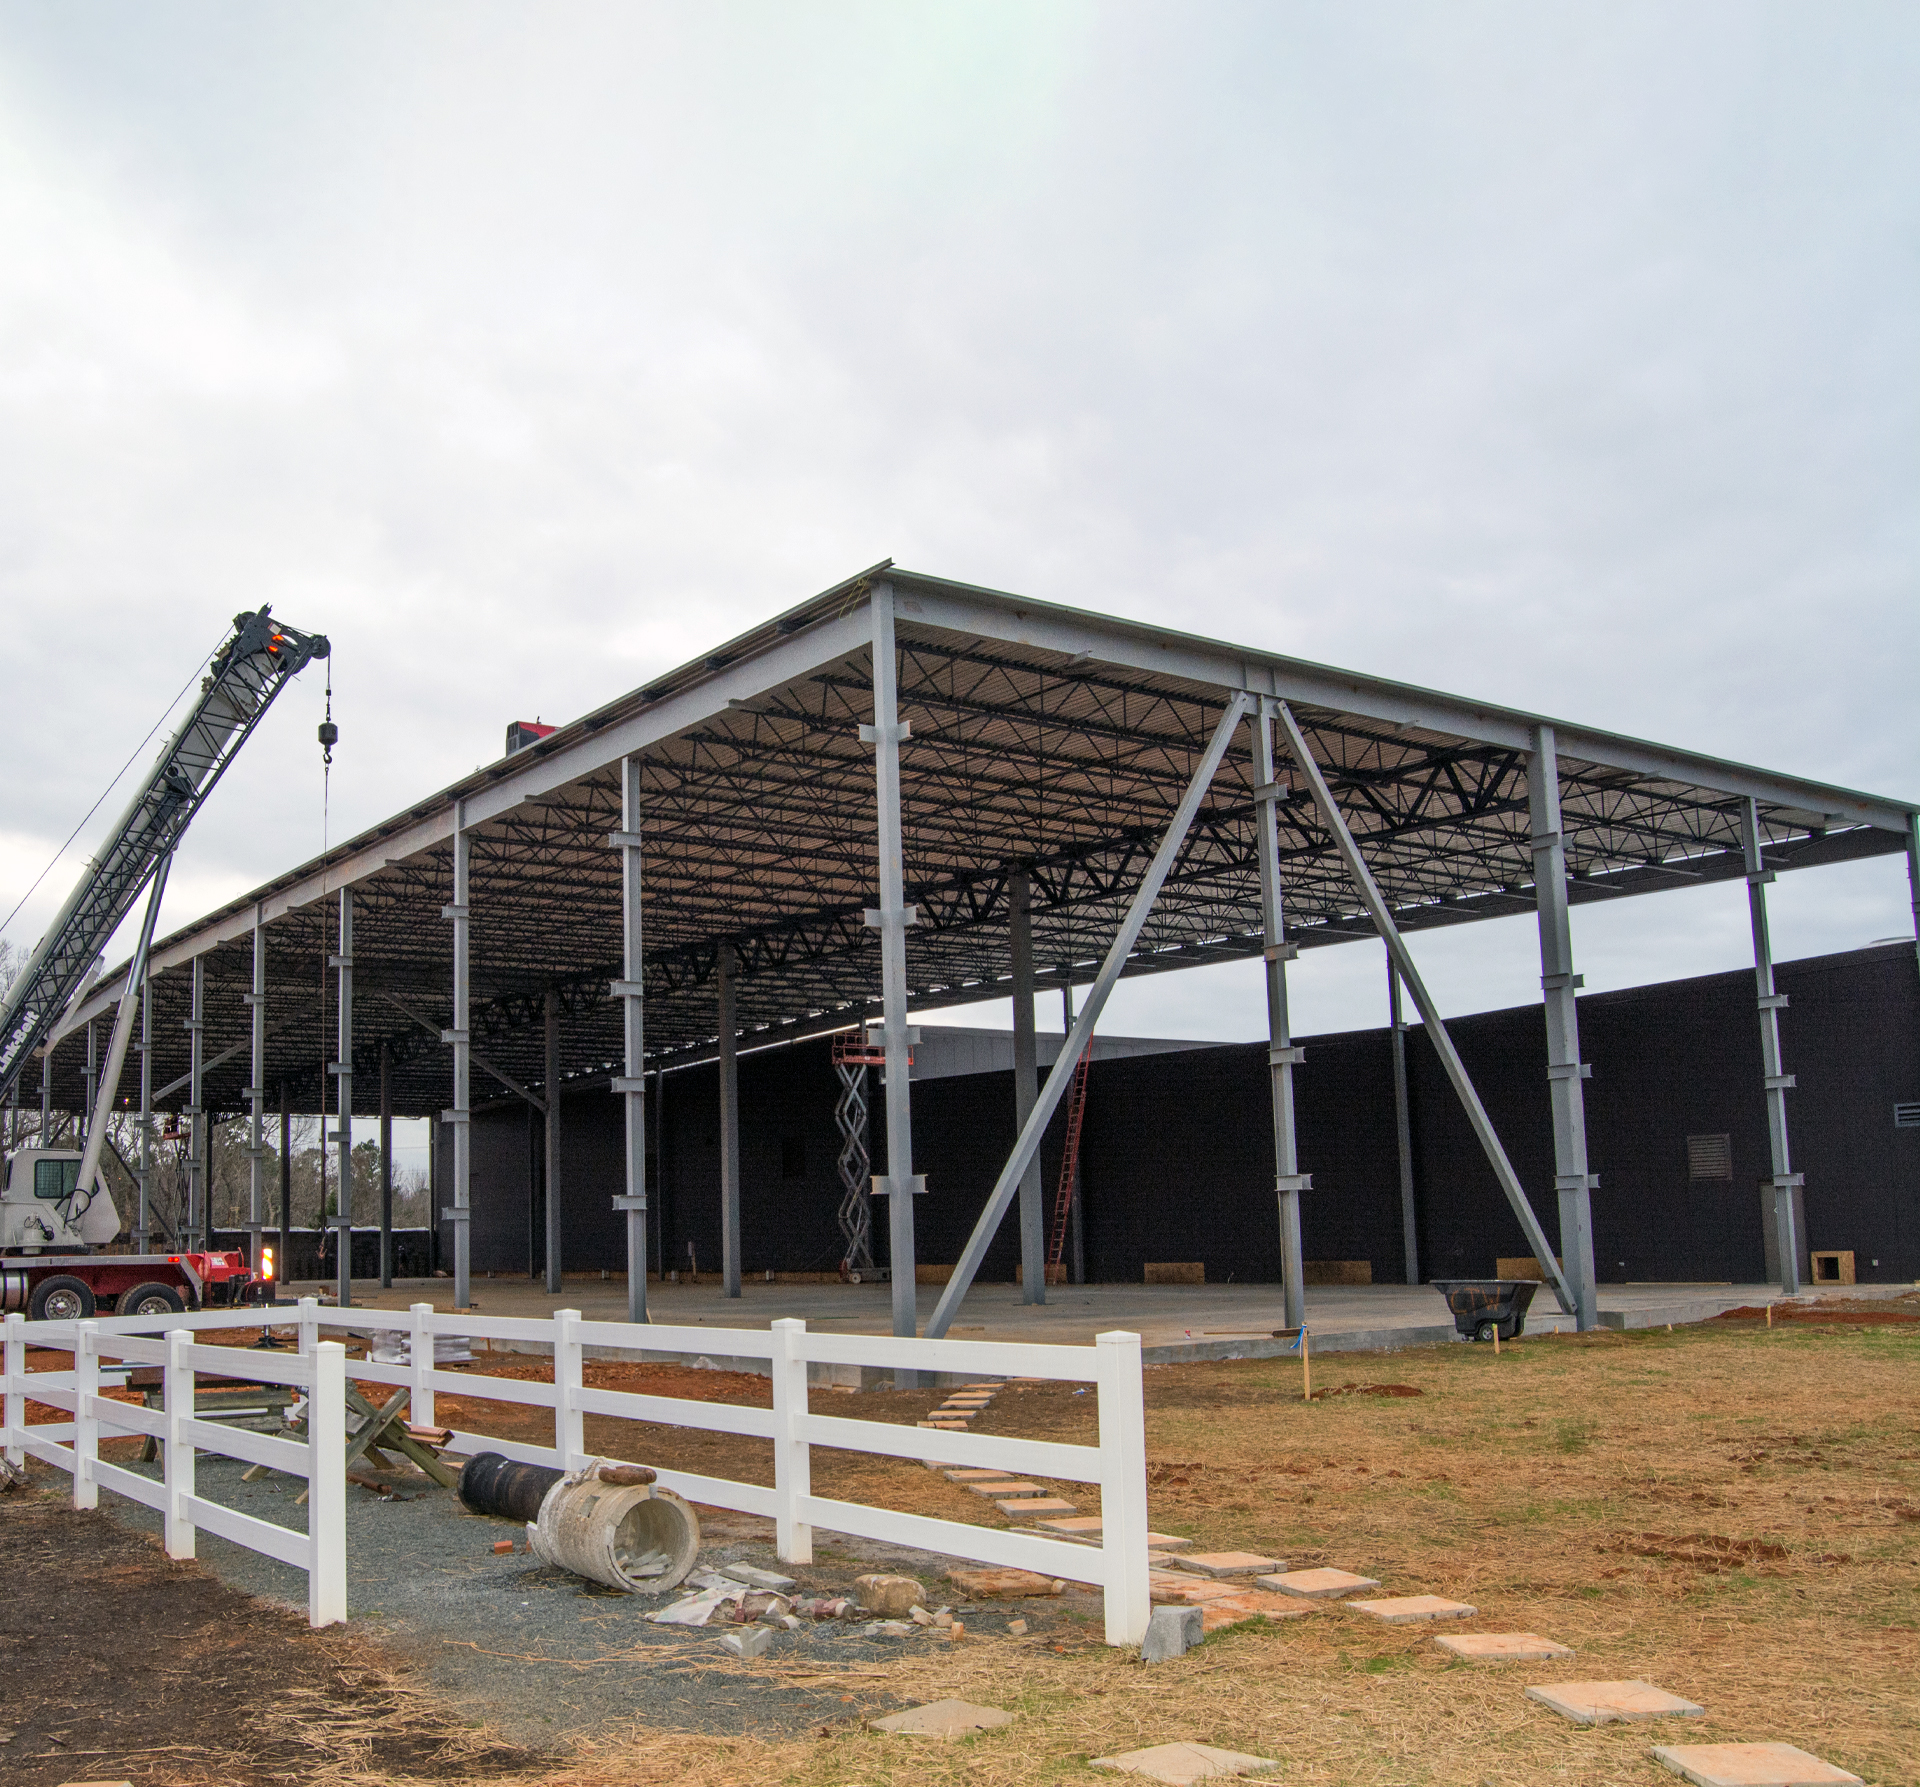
(74, 1446)
(1117, 1464)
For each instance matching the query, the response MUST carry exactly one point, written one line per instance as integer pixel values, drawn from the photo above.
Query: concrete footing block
(1171, 1631)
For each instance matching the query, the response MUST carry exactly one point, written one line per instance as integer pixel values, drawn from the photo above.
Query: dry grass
(1730, 1513)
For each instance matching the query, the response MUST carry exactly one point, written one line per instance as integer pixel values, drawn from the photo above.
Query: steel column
(93, 1078)
(1913, 877)
(461, 1115)
(286, 1181)
(1566, 1072)
(1026, 1086)
(46, 1093)
(1075, 1045)
(891, 919)
(342, 1071)
(386, 1166)
(193, 1110)
(1785, 1182)
(1403, 1124)
(143, 1226)
(1456, 1070)
(1283, 1054)
(1076, 1224)
(725, 975)
(256, 1002)
(631, 1084)
(551, 1043)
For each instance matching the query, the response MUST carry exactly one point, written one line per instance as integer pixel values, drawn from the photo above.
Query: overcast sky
(1564, 356)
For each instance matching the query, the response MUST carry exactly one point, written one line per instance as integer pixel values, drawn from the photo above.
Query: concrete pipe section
(611, 1523)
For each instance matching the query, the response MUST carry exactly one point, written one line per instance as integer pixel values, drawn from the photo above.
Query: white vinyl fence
(1117, 1464)
(74, 1446)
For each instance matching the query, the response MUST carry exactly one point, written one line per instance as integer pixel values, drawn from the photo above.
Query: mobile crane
(56, 1212)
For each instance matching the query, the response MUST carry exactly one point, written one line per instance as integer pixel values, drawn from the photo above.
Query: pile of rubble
(761, 1602)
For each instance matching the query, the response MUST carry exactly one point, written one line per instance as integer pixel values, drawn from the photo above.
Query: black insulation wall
(1178, 1153)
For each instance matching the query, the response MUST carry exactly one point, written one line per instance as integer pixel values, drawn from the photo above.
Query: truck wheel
(61, 1299)
(150, 1299)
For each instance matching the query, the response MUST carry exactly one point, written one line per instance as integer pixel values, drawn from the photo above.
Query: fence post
(309, 1320)
(86, 1424)
(16, 1417)
(327, 1485)
(569, 1421)
(1123, 1486)
(420, 1355)
(792, 1456)
(177, 1382)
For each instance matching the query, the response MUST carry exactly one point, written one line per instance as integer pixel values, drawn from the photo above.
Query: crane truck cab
(50, 1271)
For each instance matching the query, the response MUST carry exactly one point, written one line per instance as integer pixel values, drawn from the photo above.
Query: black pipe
(492, 1484)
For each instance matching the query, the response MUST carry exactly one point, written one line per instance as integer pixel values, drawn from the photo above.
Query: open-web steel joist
(1034, 738)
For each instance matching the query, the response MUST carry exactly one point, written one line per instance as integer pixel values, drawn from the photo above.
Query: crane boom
(245, 674)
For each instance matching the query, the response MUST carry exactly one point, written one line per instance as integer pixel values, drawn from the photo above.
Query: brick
(1039, 1504)
(944, 1718)
(1401, 1610)
(1318, 1585)
(1600, 1703)
(1228, 1563)
(1003, 1585)
(1502, 1647)
(1181, 1764)
(1749, 1765)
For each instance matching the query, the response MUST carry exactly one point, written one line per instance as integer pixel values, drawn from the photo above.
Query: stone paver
(1750, 1765)
(1179, 1764)
(1248, 1603)
(944, 1718)
(1599, 1703)
(1193, 1590)
(1318, 1585)
(1228, 1563)
(1401, 1610)
(975, 1474)
(997, 1486)
(1502, 1647)
(1038, 1504)
(1078, 1526)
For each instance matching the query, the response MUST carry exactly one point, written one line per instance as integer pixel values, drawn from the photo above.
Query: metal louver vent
(1907, 1116)
(1709, 1157)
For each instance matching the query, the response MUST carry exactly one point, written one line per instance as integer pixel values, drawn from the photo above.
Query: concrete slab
(1600, 1703)
(944, 1718)
(1750, 1765)
(1038, 1504)
(1502, 1647)
(1400, 1610)
(1179, 1764)
(1228, 1563)
(1318, 1585)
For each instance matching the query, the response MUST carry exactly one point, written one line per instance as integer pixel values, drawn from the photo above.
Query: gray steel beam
(256, 999)
(725, 982)
(1075, 1045)
(1403, 1125)
(1076, 1223)
(1456, 1070)
(891, 918)
(551, 1086)
(46, 1093)
(194, 1110)
(1026, 1086)
(342, 1072)
(386, 1166)
(461, 1115)
(631, 1083)
(1283, 1054)
(1785, 1182)
(1566, 1073)
(92, 1077)
(979, 613)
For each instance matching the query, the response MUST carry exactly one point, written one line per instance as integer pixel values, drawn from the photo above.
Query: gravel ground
(543, 1656)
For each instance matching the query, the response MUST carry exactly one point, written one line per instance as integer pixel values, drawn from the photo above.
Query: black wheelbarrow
(1484, 1307)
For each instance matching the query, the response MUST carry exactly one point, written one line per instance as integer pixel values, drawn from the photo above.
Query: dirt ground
(1729, 1511)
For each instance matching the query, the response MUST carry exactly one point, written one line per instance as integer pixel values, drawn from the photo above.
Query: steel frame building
(909, 790)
